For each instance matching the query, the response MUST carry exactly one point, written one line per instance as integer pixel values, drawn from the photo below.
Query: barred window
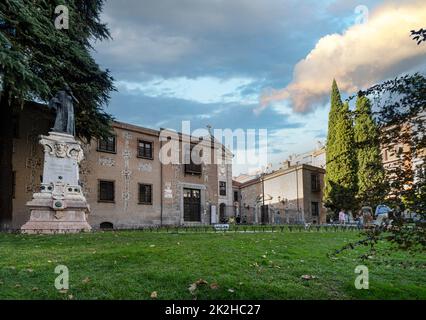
(106, 191)
(107, 144)
(145, 193)
(145, 149)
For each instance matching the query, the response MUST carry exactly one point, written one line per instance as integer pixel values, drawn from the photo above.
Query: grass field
(133, 264)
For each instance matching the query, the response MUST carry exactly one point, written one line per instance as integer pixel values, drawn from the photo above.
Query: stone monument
(60, 206)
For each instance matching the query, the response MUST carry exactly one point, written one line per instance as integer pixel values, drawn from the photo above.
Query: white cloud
(363, 55)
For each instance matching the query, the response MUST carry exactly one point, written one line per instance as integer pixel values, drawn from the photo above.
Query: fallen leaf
(34, 289)
(192, 288)
(70, 297)
(308, 277)
(154, 295)
(214, 286)
(30, 270)
(17, 285)
(200, 282)
(231, 290)
(63, 291)
(86, 280)
(152, 246)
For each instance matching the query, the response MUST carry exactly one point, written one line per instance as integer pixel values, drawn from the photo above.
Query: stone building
(292, 194)
(123, 179)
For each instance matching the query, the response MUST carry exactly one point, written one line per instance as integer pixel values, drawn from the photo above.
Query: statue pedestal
(60, 206)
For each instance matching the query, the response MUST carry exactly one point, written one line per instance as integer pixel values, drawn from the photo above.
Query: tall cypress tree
(37, 60)
(370, 177)
(340, 178)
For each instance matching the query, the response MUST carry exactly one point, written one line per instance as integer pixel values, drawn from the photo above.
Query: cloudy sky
(253, 64)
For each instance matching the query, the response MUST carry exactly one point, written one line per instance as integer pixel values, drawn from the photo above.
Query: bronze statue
(62, 102)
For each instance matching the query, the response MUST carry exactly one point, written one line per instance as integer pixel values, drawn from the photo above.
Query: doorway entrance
(192, 205)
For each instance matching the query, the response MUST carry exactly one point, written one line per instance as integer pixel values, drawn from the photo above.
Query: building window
(222, 188)
(13, 184)
(107, 144)
(315, 183)
(145, 149)
(315, 209)
(236, 196)
(145, 193)
(106, 191)
(191, 167)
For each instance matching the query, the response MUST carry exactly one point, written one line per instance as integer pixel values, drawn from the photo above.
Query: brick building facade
(123, 179)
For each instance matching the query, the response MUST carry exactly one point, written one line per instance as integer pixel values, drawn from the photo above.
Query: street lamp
(262, 176)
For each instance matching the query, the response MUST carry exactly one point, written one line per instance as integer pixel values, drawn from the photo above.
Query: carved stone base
(59, 206)
(44, 219)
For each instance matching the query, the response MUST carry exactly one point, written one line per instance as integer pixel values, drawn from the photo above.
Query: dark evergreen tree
(340, 178)
(370, 173)
(37, 60)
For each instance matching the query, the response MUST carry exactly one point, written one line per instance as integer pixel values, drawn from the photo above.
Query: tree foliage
(419, 35)
(370, 174)
(340, 180)
(36, 59)
(399, 107)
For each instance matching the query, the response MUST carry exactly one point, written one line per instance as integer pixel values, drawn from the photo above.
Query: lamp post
(262, 175)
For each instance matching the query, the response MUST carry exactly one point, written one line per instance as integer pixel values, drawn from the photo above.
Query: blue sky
(213, 61)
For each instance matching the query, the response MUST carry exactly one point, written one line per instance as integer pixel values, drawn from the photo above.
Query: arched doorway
(222, 213)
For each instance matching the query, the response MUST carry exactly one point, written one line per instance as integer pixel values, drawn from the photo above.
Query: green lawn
(133, 264)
